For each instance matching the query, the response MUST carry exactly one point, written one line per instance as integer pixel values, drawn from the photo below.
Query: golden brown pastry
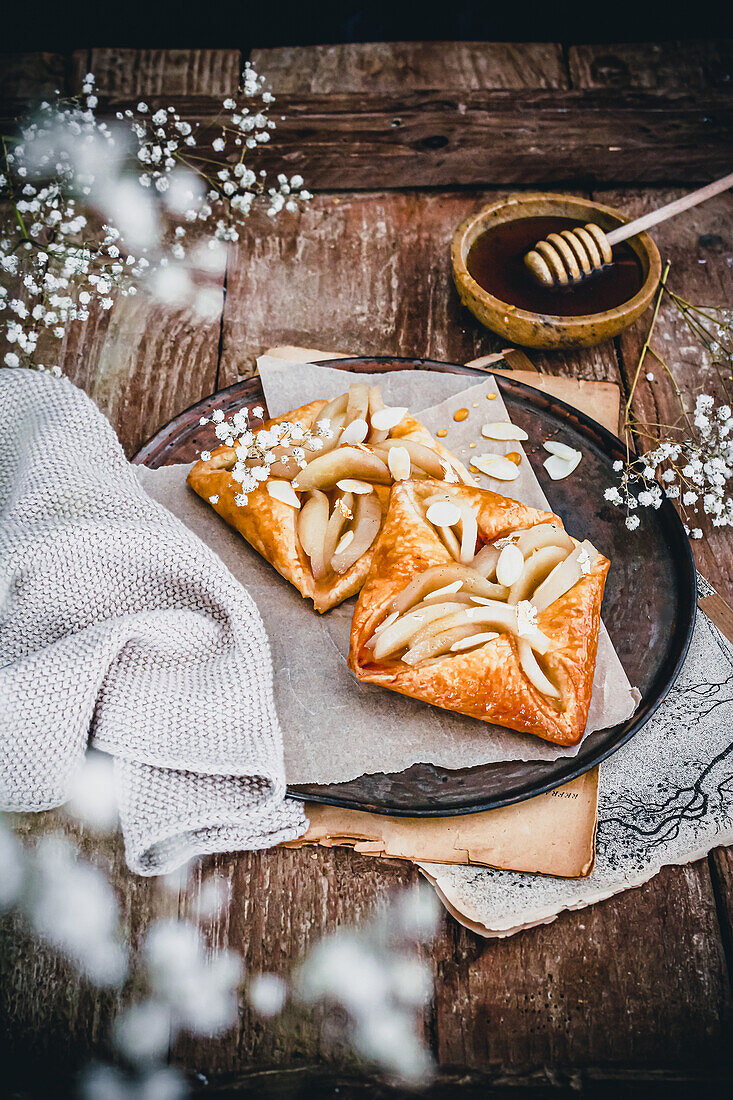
(309, 489)
(481, 605)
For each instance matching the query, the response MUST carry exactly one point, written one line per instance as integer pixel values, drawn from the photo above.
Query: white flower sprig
(97, 209)
(694, 465)
(256, 451)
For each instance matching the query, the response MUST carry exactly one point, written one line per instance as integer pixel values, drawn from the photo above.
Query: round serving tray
(648, 608)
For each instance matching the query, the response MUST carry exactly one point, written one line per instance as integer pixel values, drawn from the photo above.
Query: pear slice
(536, 569)
(419, 455)
(469, 534)
(357, 402)
(312, 523)
(496, 616)
(339, 519)
(533, 672)
(376, 404)
(225, 460)
(486, 560)
(333, 408)
(367, 521)
(323, 472)
(543, 534)
(440, 575)
(398, 635)
(436, 644)
(565, 574)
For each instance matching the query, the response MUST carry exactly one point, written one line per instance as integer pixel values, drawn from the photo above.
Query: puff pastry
(326, 471)
(481, 605)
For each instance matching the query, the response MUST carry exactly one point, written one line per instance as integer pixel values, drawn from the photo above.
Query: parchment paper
(666, 797)
(335, 728)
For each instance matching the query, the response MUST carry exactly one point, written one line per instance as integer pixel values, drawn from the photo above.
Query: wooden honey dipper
(573, 254)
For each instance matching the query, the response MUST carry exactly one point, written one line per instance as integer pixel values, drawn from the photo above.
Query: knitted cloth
(119, 627)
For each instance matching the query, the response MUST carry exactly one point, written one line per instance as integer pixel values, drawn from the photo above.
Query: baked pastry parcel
(309, 489)
(481, 605)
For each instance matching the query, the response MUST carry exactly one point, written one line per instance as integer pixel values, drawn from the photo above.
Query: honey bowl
(540, 327)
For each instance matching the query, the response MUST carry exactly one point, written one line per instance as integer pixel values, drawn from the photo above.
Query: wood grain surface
(632, 996)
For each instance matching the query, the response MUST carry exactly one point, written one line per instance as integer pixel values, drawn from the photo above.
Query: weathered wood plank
(31, 76)
(52, 1021)
(370, 273)
(359, 140)
(142, 363)
(165, 73)
(699, 246)
(283, 902)
(417, 66)
(676, 66)
(599, 987)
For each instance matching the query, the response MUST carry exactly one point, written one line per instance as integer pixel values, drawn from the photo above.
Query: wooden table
(400, 142)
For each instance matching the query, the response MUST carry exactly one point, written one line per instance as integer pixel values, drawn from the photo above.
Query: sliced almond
(420, 455)
(344, 542)
(447, 589)
(510, 565)
(474, 640)
(443, 513)
(559, 468)
(496, 466)
(398, 460)
(355, 432)
(560, 449)
(283, 491)
(384, 420)
(503, 429)
(351, 485)
(387, 622)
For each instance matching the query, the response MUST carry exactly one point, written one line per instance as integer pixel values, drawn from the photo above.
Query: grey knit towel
(120, 628)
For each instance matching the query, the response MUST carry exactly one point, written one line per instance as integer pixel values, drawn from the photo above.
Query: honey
(460, 414)
(442, 433)
(515, 457)
(496, 262)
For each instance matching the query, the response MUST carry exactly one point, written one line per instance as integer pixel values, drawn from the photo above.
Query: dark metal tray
(649, 604)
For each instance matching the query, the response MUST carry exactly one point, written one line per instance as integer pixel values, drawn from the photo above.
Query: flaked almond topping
(561, 450)
(283, 491)
(503, 429)
(584, 563)
(398, 460)
(344, 509)
(482, 600)
(443, 514)
(449, 474)
(386, 419)
(475, 639)
(559, 468)
(526, 618)
(447, 589)
(507, 540)
(355, 432)
(353, 485)
(344, 541)
(496, 466)
(510, 565)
